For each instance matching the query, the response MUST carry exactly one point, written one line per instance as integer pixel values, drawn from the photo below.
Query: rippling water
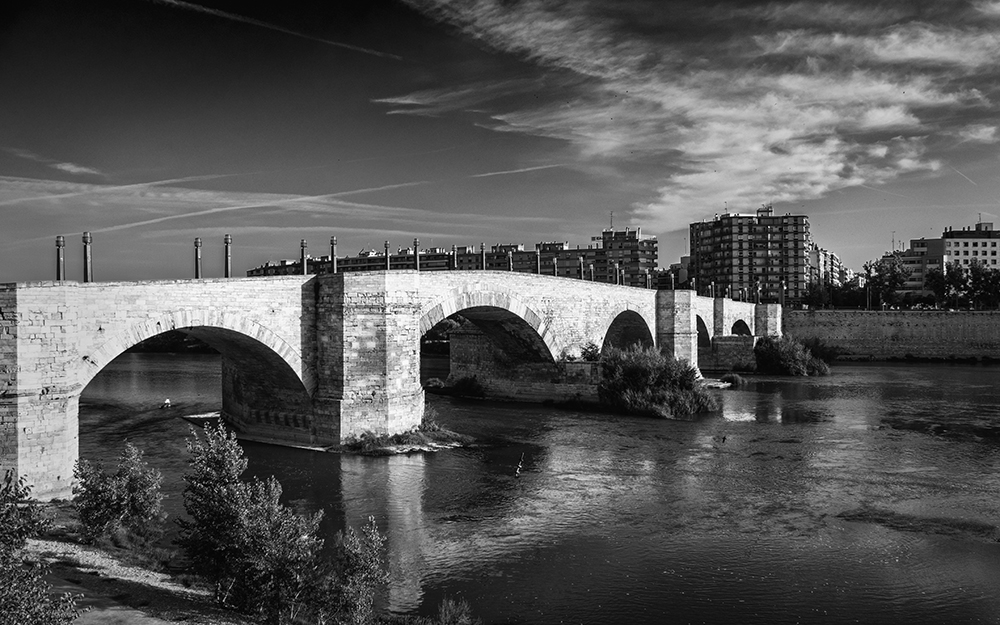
(810, 501)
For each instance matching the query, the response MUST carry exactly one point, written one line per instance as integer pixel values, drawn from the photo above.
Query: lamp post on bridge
(88, 258)
(510, 260)
(555, 265)
(538, 261)
(581, 268)
(482, 253)
(591, 272)
(197, 258)
(454, 256)
(416, 254)
(60, 258)
(387, 266)
(228, 258)
(333, 254)
(302, 257)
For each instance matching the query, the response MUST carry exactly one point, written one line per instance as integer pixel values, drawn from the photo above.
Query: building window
(975, 244)
(965, 244)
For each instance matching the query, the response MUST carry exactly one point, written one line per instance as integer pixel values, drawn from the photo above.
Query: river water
(869, 496)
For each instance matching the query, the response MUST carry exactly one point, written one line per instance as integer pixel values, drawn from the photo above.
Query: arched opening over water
(704, 338)
(740, 328)
(628, 329)
(125, 398)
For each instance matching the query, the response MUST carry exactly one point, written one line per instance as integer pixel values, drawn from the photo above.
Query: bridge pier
(676, 325)
(369, 358)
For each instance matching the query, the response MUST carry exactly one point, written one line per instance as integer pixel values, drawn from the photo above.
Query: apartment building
(972, 243)
(745, 254)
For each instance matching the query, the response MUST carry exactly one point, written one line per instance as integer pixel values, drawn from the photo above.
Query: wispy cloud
(190, 6)
(70, 168)
(739, 102)
(118, 205)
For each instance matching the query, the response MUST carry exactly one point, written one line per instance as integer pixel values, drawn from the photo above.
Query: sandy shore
(116, 592)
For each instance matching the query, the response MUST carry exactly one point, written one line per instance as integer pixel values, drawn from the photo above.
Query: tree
(956, 281)
(128, 501)
(936, 283)
(25, 596)
(264, 558)
(817, 295)
(983, 285)
(886, 276)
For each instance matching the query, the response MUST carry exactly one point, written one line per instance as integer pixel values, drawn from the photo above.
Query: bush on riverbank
(25, 596)
(125, 506)
(644, 381)
(786, 356)
(734, 380)
(262, 557)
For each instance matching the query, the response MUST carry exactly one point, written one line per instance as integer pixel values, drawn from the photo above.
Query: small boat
(201, 420)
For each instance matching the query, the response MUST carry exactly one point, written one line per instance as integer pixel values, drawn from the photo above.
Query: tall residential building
(826, 268)
(616, 257)
(739, 253)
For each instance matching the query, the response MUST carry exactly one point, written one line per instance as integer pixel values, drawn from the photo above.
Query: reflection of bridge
(310, 360)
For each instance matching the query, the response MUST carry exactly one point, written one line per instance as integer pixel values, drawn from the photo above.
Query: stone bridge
(313, 360)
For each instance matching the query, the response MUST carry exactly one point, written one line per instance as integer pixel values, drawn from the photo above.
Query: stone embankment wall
(878, 335)
(727, 353)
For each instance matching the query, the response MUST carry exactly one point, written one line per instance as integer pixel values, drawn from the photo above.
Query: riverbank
(111, 590)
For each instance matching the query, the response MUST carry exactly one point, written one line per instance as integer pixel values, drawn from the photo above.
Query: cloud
(190, 6)
(739, 102)
(978, 133)
(70, 168)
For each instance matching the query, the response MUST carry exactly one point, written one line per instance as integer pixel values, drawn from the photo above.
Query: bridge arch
(244, 339)
(704, 334)
(506, 319)
(628, 328)
(740, 328)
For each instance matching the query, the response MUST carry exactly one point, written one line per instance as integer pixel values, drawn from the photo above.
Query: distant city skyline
(150, 123)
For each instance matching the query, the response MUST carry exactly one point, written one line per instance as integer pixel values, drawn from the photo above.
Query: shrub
(786, 356)
(128, 501)
(733, 379)
(821, 349)
(591, 352)
(262, 557)
(25, 596)
(360, 569)
(641, 380)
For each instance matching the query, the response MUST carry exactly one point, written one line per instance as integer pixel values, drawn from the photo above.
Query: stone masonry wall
(65, 333)
(881, 335)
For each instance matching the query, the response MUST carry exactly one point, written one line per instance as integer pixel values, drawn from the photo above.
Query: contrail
(225, 209)
(964, 176)
(124, 187)
(249, 20)
(514, 171)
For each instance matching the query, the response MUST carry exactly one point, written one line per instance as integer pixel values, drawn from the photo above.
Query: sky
(152, 122)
